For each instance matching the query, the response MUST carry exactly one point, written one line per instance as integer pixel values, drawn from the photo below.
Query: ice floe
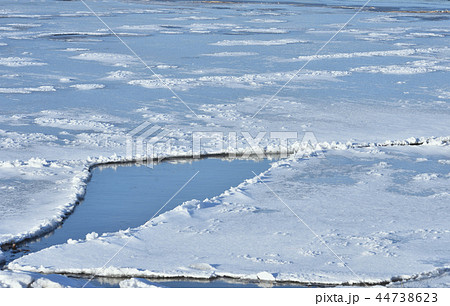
(393, 88)
(225, 231)
(27, 90)
(19, 62)
(9, 279)
(250, 42)
(416, 67)
(227, 54)
(242, 81)
(87, 86)
(114, 59)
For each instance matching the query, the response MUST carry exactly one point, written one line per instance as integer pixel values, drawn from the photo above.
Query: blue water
(122, 197)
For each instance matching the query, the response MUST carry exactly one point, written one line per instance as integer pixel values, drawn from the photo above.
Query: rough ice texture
(87, 86)
(53, 186)
(227, 54)
(138, 283)
(26, 90)
(250, 42)
(9, 279)
(382, 80)
(107, 58)
(363, 204)
(19, 62)
(401, 52)
(248, 81)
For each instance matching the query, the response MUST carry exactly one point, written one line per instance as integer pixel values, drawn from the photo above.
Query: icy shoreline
(262, 276)
(194, 226)
(81, 179)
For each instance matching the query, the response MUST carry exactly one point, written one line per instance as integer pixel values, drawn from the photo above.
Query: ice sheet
(383, 78)
(369, 215)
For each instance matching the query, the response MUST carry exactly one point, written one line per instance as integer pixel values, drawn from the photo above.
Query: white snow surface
(107, 58)
(401, 52)
(363, 204)
(16, 279)
(53, 187)
(226, 54)
(87, 86)
(19, 62)
(138, 283)
(273, 42)
(382, 80)
(27, 90)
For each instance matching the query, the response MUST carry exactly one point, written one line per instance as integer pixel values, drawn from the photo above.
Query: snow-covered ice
(383, 79)
(106, 58)
(27, 90)
(225, 54)
(87, 86)
(274, 42)
(138, 283)
(10, 279)
(364, 204)
(19, 62)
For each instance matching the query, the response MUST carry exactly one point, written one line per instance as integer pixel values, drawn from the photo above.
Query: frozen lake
(78, 77)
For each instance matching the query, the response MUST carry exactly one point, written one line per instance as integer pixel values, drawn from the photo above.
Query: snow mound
(71, 241)
(14, 280)
(91, 236)
(266, 276)
(138, 283)
(201, 266)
